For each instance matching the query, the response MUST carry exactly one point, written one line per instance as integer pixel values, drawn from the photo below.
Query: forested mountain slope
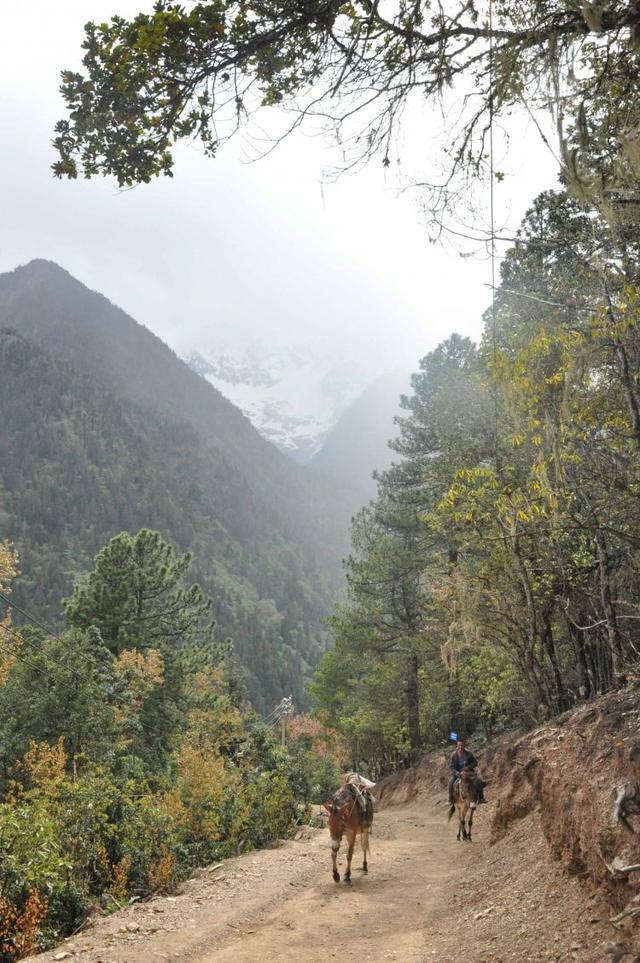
(45, 303)
(79, 463)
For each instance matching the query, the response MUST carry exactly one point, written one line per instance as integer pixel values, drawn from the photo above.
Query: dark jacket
(465, 761)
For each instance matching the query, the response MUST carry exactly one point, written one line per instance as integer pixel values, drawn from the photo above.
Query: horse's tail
(452, 809)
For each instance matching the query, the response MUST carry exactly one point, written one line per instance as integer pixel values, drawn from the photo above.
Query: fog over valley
(267, 267)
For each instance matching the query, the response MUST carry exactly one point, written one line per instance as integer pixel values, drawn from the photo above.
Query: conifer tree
(386, 637)
(136, 596)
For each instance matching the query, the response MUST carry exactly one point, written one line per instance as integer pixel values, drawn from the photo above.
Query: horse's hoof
(346, 879)
(365, 870)
(336, 877)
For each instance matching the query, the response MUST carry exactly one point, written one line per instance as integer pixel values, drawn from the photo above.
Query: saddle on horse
(363, 800)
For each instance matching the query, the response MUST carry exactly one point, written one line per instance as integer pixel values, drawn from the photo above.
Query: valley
(105, 429)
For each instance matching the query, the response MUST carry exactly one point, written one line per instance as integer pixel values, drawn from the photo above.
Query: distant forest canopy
(104, 429)
(495, 579)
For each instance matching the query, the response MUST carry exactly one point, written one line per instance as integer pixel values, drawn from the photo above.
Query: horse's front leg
(364, 839)
(351, 838)
(471, 811)
(335, 846)
(463, 823)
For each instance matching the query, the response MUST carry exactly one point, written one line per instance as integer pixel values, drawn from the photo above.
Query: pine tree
(387, 640)
(136, 596)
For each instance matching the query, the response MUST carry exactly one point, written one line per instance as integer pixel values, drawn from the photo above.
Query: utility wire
(492, 250)
(273, 715)
(28, 615)
(534, 297)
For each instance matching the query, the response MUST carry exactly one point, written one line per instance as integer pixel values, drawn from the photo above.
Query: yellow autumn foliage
(43, 766)
(9, 638)
(193, 804)
(141, 671)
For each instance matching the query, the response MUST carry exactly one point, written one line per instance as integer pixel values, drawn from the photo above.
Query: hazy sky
(230, 252)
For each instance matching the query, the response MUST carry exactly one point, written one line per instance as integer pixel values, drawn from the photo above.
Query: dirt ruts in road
(427, 897)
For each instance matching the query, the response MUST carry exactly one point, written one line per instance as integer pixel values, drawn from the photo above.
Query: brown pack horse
(350, 814)
(465, 799)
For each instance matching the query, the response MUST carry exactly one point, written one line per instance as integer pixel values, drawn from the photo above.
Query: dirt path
(426, 897)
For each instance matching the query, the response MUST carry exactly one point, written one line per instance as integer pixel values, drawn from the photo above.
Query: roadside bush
(134, 763)
(313, 778)
(70, 841)
(259, 811)
(19, 929)
(194, 802)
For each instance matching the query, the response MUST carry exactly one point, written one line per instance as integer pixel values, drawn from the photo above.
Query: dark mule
(466, 793)
(350, 813)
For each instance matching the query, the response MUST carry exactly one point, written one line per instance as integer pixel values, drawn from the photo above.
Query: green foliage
(262, 811)
(489, 683)
(197, 71)
(508, 529)
(56, 689)
(313, 778)
(110, 431)
(126, 765)
(135, 596)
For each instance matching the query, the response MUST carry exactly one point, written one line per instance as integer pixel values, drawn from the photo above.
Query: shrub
(260, 811)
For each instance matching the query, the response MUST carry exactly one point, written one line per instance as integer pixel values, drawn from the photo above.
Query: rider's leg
(452, 782)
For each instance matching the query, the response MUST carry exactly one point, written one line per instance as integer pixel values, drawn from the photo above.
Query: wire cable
(492, 250)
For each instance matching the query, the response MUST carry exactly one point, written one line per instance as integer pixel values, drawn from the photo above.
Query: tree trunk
(598, 661)
(613, 632)
(413, 707)
(533, 634)
(626, 377)
(629, 390)
(562, 698)
(587, 682)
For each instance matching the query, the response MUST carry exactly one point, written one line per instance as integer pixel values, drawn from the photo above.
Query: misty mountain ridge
(293, 395)
(357, 445)
(44, 302)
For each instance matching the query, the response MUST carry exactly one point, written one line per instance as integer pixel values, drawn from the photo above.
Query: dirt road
(426, 897)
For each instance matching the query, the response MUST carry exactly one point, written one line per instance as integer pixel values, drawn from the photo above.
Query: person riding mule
(350, 813)
(463, 759)
(465, 799)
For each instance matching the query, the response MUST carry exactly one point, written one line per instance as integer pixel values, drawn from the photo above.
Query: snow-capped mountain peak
(293, 396)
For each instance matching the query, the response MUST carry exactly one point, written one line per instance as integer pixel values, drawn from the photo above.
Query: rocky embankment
(579, 775)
